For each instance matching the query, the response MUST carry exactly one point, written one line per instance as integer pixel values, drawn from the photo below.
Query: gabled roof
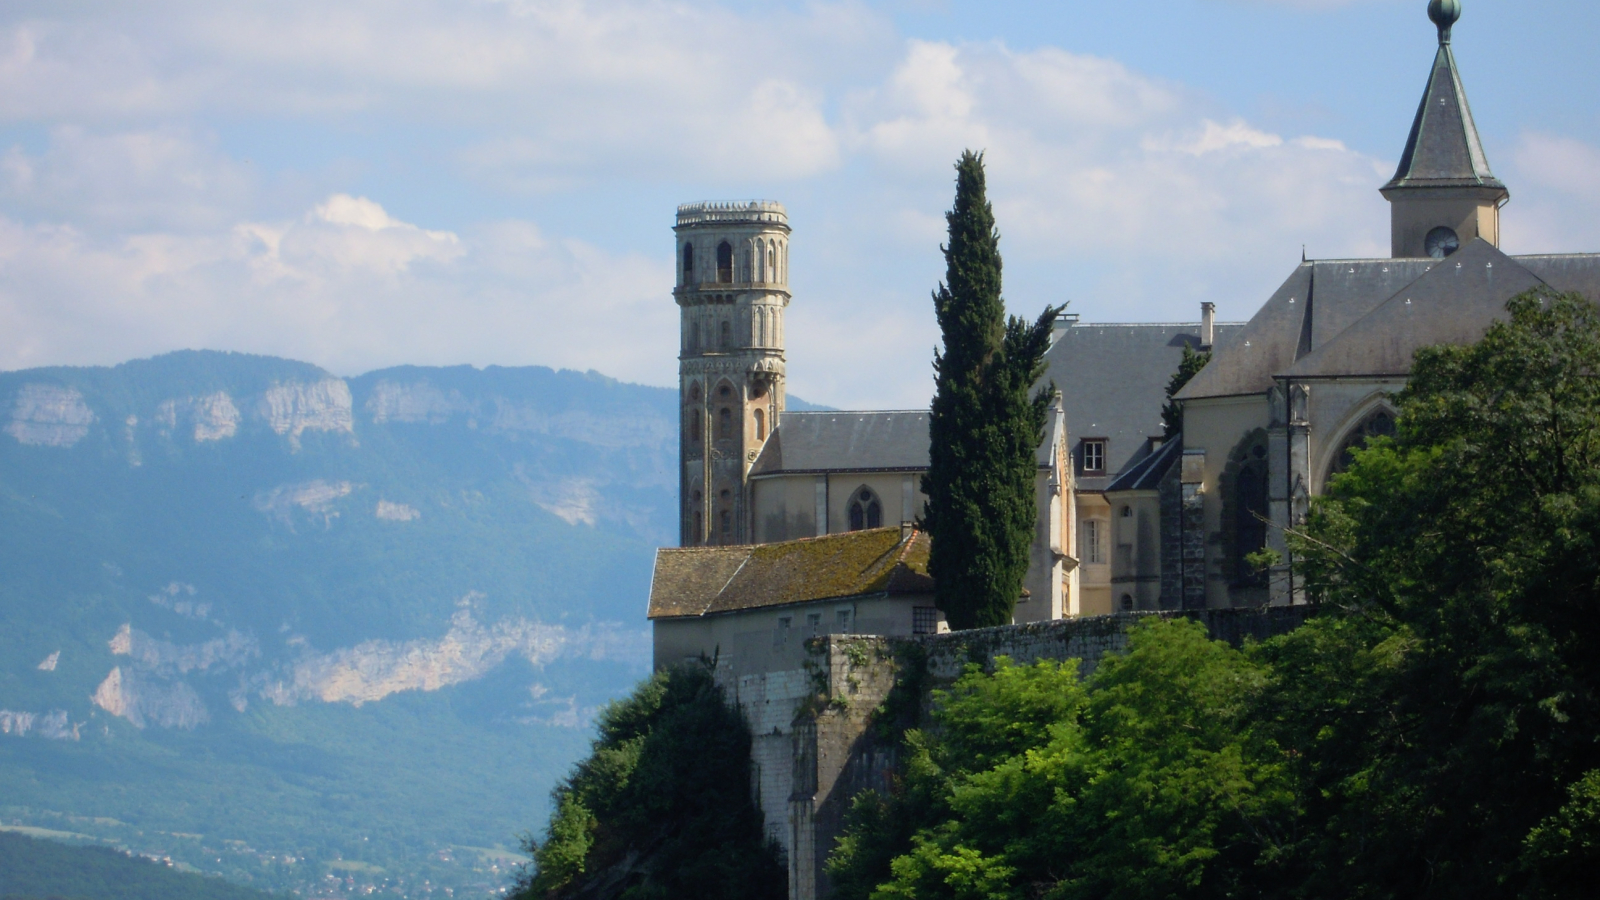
(895, 440)
(1113, 380)
(1444, 149)
(699, 581)
(1317, 302)
(1453, 303)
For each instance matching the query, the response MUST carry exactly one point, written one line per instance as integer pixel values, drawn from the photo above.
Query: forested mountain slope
(32, 869)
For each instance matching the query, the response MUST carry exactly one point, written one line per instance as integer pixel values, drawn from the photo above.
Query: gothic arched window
(1379, 424)
(727, 524)
(761, 425)
(725, 424)
(725, 262)
(727, 334)
(1250, 512)
(772, 261)
(865, 510)
(688, 264)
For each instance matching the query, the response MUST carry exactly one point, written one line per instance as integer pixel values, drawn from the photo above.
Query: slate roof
(700, 581)
(1113, 379)
(880, 441)
(1146, 474)
(1334, 318)
(1444, 149)
(1453, 303)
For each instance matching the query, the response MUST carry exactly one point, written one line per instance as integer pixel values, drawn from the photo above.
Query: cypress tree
(984, 427)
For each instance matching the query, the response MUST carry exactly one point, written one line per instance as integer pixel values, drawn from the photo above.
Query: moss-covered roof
(698, 581)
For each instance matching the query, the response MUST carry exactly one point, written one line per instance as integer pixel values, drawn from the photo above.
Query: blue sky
(362, 184)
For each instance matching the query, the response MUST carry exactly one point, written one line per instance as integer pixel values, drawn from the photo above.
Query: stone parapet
(731, 212)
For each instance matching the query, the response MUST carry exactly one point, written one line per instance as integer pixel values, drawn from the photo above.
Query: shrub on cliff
(661, 808)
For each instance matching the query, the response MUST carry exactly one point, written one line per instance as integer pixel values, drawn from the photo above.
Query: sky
(362, 184)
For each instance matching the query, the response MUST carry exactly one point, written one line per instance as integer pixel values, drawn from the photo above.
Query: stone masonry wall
(837, 750)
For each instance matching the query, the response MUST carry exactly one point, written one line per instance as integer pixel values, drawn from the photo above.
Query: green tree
(1188, 367)
(984, 427)
(1444, 720)
(661, 808)
(1147, 781)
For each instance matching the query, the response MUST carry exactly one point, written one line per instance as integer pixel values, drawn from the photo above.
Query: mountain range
(313, 633)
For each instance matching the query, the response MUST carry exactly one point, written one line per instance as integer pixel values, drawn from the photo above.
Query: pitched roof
(1444, 149)
(693, 581)
(1453, 303)
(895, 440)
(1146, 474)
(1318, 301)
(1325, 320)
(1113, 380)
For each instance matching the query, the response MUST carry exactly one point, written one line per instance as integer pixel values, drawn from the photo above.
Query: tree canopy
(984, 427)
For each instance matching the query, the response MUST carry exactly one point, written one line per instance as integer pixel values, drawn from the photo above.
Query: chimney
(1208, 325)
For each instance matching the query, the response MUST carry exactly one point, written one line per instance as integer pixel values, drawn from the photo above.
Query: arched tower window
(688, 264)
(772, 261)
(1380, 423)
(761, 425)
(725, 262)
(865, 510)
(699, 532)
(727, 334)
(725, 424)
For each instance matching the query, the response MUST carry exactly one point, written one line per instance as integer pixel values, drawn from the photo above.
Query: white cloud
(346, 285)
(1555, 186)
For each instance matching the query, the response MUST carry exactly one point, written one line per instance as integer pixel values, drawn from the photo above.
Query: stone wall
(837, 748)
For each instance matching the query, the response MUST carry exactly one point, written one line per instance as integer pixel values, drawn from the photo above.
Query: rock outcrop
(48, 415)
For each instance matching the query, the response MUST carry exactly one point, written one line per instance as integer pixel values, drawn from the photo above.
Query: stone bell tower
(733, 287)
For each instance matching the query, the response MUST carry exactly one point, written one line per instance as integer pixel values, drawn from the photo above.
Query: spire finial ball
(1444, 13)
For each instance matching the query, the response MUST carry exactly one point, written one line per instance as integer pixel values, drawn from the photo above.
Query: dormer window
(1094, 456)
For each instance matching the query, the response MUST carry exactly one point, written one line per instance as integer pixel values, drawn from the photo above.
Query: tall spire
(1444, 149)
(1443, 194)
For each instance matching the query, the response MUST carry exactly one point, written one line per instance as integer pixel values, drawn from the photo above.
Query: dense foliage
(661, 808)
(31, 868)
(1435, 732)
(984, 428)
(1188, 367)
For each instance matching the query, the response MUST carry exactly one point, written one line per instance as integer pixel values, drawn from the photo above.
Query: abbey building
(796, 525)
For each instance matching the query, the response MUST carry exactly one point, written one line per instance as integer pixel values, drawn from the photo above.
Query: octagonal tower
(733, 287)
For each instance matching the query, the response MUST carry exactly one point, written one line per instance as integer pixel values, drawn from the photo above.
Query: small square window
(1094, 455)
(924, 620)
(781, 635)
(814, 622)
